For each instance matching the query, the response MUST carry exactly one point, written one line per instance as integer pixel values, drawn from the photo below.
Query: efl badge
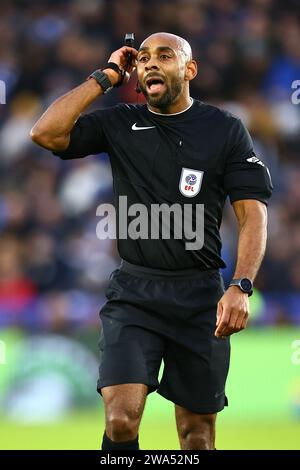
(190, 182)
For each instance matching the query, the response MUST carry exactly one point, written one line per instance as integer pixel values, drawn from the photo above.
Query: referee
(167, 299)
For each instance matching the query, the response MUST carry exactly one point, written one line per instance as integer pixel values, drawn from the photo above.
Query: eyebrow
(159, 49)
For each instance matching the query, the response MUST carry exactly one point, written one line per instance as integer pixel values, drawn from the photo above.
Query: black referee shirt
(195, 157)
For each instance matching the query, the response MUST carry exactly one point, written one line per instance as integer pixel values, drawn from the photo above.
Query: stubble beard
(164, 101)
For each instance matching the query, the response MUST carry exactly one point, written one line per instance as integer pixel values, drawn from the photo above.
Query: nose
(151, 64)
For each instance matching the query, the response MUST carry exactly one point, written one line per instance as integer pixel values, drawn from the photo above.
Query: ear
(191, 70)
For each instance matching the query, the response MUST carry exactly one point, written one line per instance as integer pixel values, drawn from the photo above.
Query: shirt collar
(173, 114)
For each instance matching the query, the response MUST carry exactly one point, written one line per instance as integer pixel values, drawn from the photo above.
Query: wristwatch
(244, 284)
(102, 79)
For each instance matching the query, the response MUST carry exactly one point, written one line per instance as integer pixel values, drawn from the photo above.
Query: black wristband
(113, 66)
(116, 68)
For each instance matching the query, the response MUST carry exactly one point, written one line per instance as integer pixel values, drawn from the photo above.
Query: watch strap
(238, 283)
(102, 79)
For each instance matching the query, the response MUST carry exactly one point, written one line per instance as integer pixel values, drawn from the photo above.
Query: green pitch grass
(263, 412)
(84, 431)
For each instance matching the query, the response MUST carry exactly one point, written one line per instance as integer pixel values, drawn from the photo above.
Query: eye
(165, 56)
(143, 58)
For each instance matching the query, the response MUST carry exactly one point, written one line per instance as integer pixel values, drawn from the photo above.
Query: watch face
(246, 285)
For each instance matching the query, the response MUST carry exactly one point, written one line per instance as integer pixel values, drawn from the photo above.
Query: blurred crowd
(53, 269)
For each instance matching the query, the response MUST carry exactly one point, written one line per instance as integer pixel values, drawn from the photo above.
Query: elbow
(39, 137)
(34, 135)
(44, 139)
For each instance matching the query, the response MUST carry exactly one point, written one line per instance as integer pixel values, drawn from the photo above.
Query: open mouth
(154, 84)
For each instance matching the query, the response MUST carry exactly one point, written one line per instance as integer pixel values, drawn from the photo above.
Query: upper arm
(245, 175)
(86, 137)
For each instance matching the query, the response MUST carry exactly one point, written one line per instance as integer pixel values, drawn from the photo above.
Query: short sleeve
(245, 176)
(86, 138)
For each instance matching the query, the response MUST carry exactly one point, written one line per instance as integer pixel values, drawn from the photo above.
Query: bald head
(164, 68)
(176, 42)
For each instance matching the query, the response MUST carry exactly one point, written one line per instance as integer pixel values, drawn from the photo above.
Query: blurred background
(54, 270)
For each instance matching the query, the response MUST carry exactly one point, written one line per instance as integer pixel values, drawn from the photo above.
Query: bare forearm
(233, 307)
(252, 242)
(53, 128)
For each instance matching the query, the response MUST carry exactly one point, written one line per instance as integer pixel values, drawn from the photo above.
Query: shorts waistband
(154, 273)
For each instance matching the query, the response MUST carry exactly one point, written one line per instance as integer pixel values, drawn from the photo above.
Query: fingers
(133, 55)
(121, 55)
(219, 312)
(223, 323)
(231, 320)
(127, 50)
(241, 322)
(132, 66)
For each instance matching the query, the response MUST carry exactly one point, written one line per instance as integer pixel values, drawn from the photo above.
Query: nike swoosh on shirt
(135, 128)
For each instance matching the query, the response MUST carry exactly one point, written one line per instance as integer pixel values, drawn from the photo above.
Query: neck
(181, 104)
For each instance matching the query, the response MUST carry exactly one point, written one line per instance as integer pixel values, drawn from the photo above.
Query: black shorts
(152, 315)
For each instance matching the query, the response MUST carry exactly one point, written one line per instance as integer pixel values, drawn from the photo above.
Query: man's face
(161, 70)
